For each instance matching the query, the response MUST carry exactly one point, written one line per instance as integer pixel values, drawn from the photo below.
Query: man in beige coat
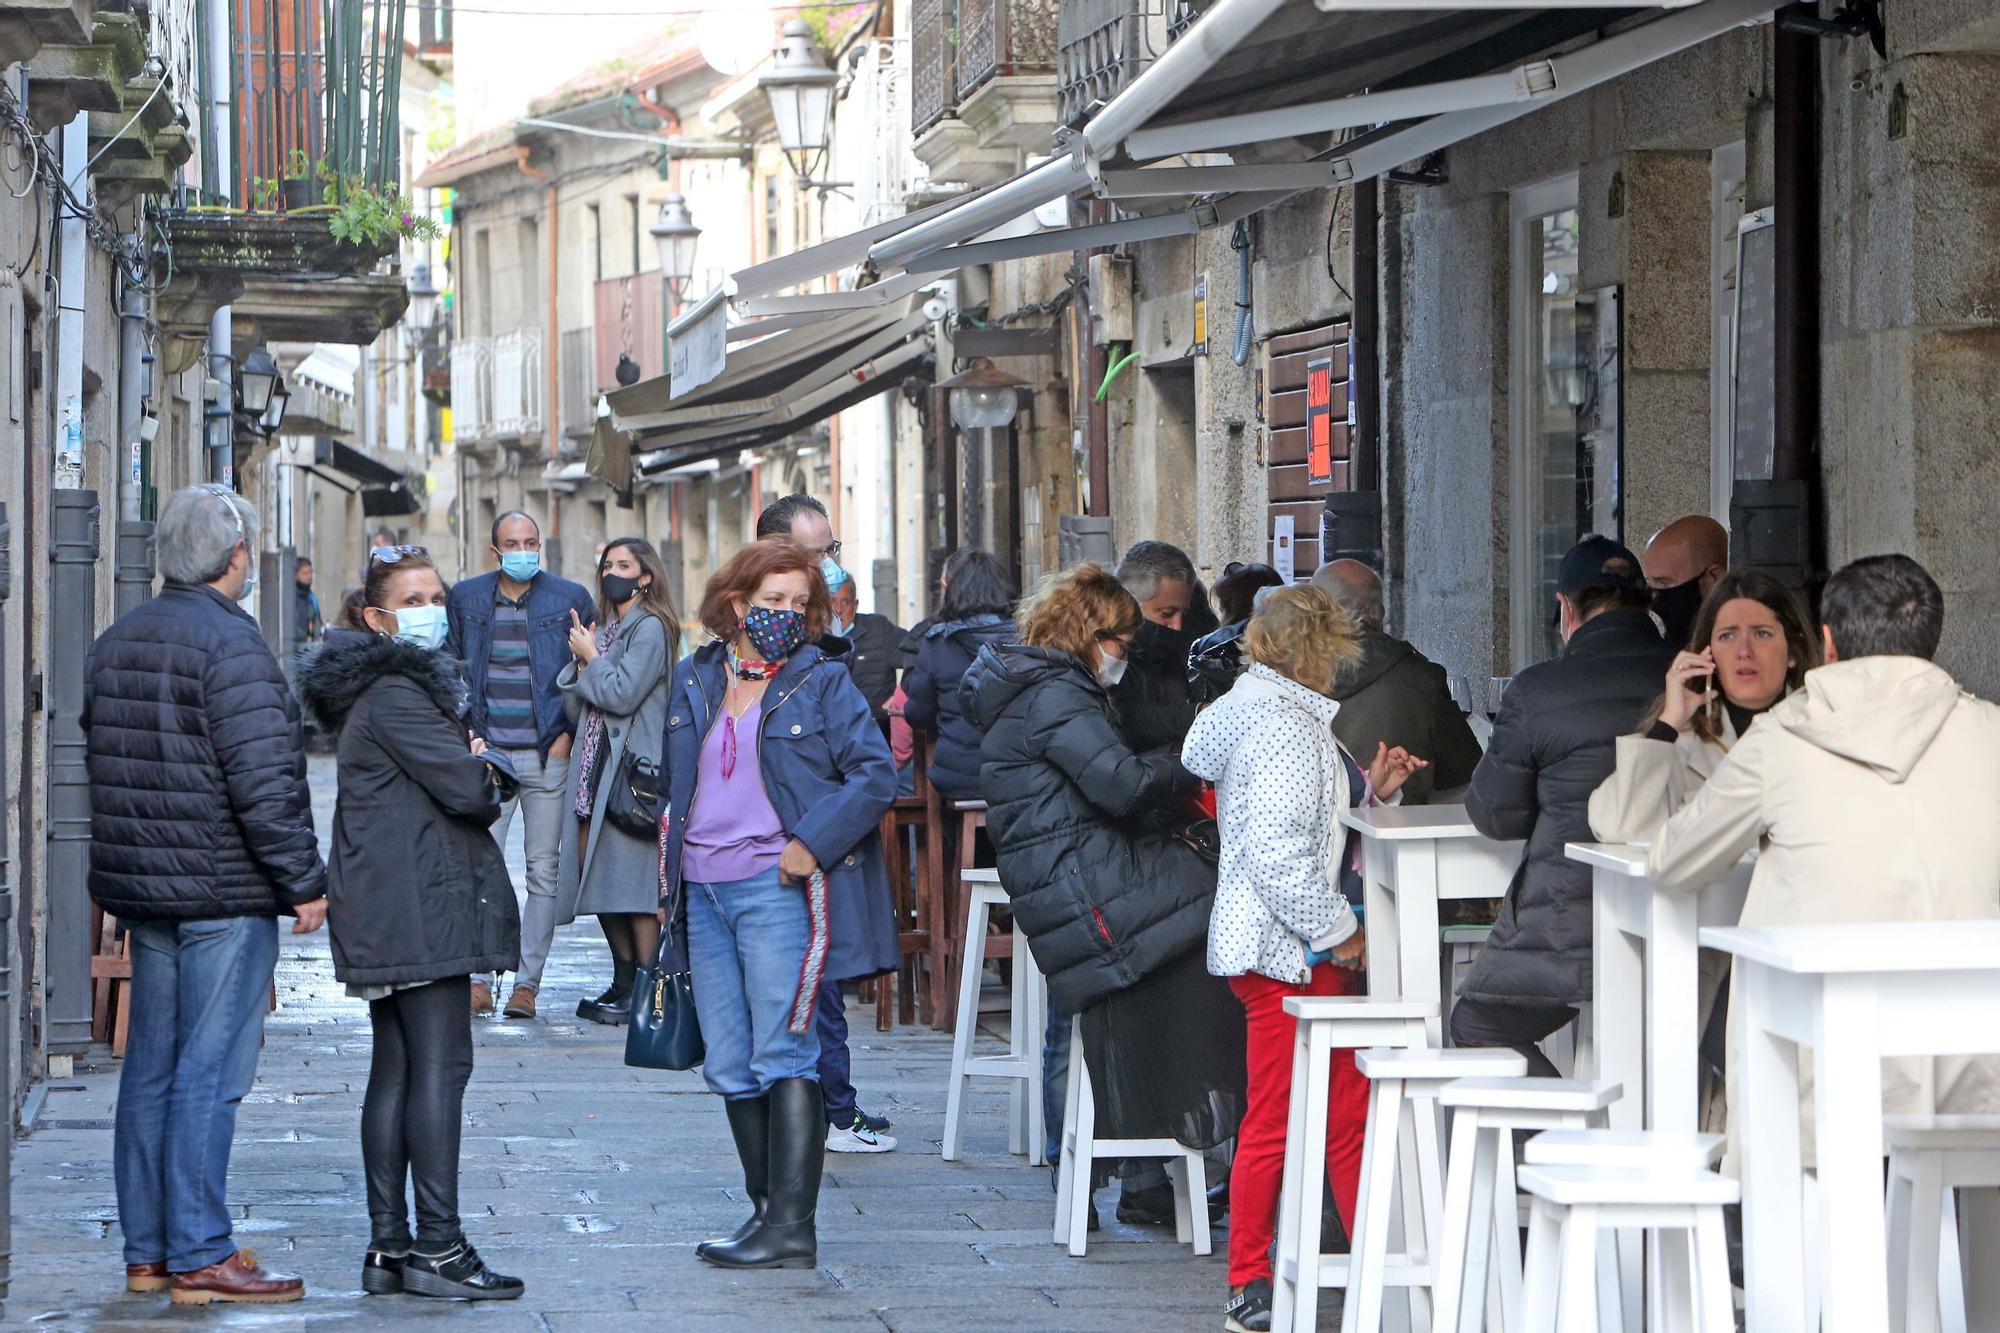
(1872, 795)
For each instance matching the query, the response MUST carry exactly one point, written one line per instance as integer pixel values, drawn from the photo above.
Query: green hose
(1111, 373)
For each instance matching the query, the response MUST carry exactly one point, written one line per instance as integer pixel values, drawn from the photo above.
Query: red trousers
(1258, 1171)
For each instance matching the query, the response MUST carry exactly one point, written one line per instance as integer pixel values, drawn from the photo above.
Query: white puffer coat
(1280, 786)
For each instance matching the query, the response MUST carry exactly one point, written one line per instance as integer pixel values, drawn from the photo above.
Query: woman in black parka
(977, 609)
(1115, 905)
(418, 899)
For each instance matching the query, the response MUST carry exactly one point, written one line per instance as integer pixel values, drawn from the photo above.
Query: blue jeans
(746, 947)
(836, 1079)
(199, 995)
(1055, 1083)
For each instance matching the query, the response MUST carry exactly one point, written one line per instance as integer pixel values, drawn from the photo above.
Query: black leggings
(411, 1116)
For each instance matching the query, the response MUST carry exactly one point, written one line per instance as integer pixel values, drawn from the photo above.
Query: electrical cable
(1239, 241)
(112, 141)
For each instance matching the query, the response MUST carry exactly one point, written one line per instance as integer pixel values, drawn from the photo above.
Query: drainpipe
(8, 1020)
(1794, 484)
(551, 338)
(133, 579)
(221, 456)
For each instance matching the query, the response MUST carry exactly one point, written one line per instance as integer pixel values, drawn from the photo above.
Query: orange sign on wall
(1319, 421)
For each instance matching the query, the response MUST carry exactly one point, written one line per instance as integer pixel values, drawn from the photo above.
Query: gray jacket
(627, 683)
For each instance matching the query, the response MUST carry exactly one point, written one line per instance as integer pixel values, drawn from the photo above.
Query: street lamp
(675, 233)
(274, 412)
(800, 89)
(423, 295)
(983, 397)
(255, 380)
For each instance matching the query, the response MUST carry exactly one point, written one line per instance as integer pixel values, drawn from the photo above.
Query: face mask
(1110, 670)
(521, 566)
(249, 586)
(618, 589)
(423, 626)
(842, 627)
(830, 570)
(1677, 607)
(773, 633)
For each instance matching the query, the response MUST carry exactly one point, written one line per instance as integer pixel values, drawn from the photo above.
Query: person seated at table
(1282, 925)
(978, 609)
(1753, 643)
(1113, 900)
(1153, 703)
(1552, 746)
(1216, 658)
(1871, 795)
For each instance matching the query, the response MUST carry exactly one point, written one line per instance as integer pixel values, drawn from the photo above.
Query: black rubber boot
(785, 1238)
(614, 1007)
(750, 1125)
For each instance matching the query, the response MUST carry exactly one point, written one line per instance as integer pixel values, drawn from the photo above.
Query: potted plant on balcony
(298, 187)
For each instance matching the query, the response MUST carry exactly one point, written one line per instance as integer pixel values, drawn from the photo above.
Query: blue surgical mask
(830, 570)
(423, 626)
(520, 566)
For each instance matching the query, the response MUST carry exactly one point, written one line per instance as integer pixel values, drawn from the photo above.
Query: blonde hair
(1072, 610)
(1303, 633)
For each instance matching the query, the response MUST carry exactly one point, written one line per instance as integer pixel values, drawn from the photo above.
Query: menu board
(1319, 421)
(1754, 371)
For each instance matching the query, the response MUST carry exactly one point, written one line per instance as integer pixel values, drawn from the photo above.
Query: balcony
(508, 395)
(1102, 46)
(89, 76)
(26, 26)
(983, 94)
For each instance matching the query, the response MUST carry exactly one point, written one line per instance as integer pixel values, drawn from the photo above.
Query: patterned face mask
(774, 633)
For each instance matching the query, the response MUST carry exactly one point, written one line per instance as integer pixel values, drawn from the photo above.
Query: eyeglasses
(228, 498)
(831, 551)
(390, 555)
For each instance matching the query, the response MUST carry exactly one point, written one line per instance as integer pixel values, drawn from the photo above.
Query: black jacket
(1552, 745)
(418, 887)
(1154, 705)
(931, 688)
(199, 805)
(878, 643)
(1214, 662)
(1104, 899)
(1395, 694)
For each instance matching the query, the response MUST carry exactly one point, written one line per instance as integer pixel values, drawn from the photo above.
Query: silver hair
(1146, 563)
(199, 529)
(1362, 601)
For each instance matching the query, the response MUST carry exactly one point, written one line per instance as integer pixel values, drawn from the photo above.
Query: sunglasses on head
(390, 555)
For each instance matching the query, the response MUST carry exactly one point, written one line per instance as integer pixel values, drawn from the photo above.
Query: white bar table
(1645, 981)
(1851, 994)
(1412, 857)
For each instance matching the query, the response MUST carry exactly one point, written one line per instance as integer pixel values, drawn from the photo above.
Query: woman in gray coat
(616, 692)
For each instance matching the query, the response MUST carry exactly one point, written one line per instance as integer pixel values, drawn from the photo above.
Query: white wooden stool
(1081, 1149)
(1575, 1205)
(1323, 1024)
(1929, 1157)
(1480, 1217)
(1402, 1170)
(1023, 1061)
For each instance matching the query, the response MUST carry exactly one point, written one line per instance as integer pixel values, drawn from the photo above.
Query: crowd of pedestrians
(1163, 767)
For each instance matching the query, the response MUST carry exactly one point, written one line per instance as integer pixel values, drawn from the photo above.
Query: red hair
(743, 573)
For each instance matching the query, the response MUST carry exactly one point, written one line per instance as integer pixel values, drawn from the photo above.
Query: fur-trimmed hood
(339, 672)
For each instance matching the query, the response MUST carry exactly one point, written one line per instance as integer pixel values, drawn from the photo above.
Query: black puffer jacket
(418, 887)
(1155, 708)
(878, 654)
(1104, 901)
(1214, 662)
(1395, 695)
(931, 688)
(199, 805)
(1552, 745)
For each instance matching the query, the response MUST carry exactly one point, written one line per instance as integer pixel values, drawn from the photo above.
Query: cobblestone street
(594, 1181)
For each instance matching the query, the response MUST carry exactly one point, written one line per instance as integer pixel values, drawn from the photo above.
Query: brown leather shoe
(146, 1277)
(521, 1004)
(482, 997)
(236, 1280)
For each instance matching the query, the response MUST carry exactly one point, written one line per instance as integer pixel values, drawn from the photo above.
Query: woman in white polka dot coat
(1281, 925)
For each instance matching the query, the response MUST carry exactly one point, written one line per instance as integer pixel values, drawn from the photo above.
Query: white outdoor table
(1852, 994)
(1412, 857)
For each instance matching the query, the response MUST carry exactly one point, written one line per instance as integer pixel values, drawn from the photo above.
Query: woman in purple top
(778, 779)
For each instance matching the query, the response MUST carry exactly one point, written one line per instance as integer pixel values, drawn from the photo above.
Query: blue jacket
(828, 774)
(470, 604)
(931, 688)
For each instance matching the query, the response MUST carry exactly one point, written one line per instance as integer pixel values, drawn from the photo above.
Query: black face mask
(1677, 607)
(617, 588)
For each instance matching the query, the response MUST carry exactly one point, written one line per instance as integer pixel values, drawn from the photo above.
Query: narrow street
(593, 1182)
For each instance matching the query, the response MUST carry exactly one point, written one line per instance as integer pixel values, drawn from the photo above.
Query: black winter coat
(1104, 899)
(418, 887)
(931, 688)
(1396, 695)
(877, 656)
(1155, 707)
(197, 762)
(1553, 743)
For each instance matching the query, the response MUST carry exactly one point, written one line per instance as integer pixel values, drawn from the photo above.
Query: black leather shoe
(616, 1012)
(460, 1273)
(1154, 1206)
(382, 1272)
(750, 1126)
(785, 1237)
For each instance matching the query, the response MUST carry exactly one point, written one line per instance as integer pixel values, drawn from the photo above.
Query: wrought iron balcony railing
(957, 46)
(1102, 46)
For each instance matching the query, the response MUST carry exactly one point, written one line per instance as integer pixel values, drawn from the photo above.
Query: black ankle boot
(750, 1125)
(382, 1268)
(785, 1238)
(458, 1272)
(614, 1007)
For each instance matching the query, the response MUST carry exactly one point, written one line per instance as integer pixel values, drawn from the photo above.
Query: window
(531, 271)
(632, 212)
(482, 299)
(1564, 436)
(596, 242)
(770, 217)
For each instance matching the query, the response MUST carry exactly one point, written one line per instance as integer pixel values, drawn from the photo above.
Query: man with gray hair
(1395, 695)
(201, 837)
(1155, 707)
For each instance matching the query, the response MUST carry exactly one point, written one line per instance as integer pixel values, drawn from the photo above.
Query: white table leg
(1848, 1100)
(1618, 1019)
(1379, 897)
(1915, 1265)
(1417, 930)
(1673, 1020)
(1979, 1241)
(1773, 1219)
(966, 1024)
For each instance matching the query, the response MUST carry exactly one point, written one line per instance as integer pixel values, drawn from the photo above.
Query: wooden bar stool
(902, 993)
(111, 981)
(1322, 1025)
(1479, 1252)
(1082, 1149)
(960, 952)
(1930, 1157)
(1680, 1207)
(1023, 1062)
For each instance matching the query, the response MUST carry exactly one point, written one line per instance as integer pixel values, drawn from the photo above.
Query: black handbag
(637, 797)
(664, 1032)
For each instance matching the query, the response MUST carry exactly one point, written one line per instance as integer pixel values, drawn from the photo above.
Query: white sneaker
(857, 1137)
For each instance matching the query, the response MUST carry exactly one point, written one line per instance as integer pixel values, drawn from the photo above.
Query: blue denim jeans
(200, 990)
(836, 1068)
(746, 945)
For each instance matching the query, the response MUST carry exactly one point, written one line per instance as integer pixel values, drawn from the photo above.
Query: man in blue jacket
(511, 629)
